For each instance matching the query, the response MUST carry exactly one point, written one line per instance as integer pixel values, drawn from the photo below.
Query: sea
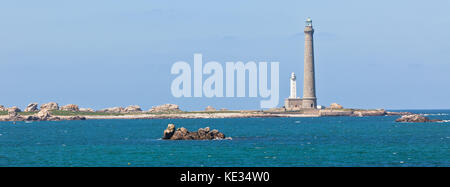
(265, 142)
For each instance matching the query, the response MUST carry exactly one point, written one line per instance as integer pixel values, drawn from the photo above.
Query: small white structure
(320, 107)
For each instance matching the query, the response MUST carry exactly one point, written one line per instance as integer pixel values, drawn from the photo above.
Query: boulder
(210, 109)
(112, 110)
(86, 110)
(44, 115)
(14, 109)
(70, 107)
(13, 114)
(32, 107)
(133, 108)
(169, 131)
(183, 134)
(165, 108)
(416, 118)
(50, 106)
(336, 106)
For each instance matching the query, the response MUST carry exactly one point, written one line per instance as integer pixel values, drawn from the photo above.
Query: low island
(53, 112)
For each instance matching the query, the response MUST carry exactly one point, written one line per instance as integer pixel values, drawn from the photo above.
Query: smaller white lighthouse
(293, 103)
(293, 86)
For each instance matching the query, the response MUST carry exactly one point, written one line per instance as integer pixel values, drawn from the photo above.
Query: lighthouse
(293, 86)
(309, 99)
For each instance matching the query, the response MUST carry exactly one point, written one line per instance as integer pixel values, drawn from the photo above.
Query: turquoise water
(325, 141)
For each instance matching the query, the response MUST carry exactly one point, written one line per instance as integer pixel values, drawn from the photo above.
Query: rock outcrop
(15, 109)
(210, 109)
(183, 134)
(398, 113)
(330, 112)
(379, 112)
(416, 118)
(70, 107)
(43, 115)
(50, 106)
(336, 106)
(165, 108)
(32, 107)
(13, 115)
(133, 108)
(112, 110)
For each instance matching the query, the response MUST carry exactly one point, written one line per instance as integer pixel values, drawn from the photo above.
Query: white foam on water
(438, 114)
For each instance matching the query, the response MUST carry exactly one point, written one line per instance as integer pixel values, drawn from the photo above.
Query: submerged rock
(416, 118)
(183, 134)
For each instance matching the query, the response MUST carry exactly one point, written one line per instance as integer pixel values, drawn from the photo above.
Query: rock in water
(50, 106)
(183, 134)
(32, 107)
(416, 118)
(169, 131)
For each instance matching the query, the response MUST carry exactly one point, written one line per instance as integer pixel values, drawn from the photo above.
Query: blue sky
(378, 54)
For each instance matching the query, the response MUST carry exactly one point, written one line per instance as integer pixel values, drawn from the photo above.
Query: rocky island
(53, 112)
(183, 134)
(416, 118)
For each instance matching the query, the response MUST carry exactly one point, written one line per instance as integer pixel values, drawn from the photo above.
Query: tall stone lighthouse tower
(309, 86)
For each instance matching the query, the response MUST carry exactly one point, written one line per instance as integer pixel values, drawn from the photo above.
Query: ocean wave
(438, 114)
(445, 121)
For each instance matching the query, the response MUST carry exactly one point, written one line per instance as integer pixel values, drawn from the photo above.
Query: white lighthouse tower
(293, 86)
(293, 102)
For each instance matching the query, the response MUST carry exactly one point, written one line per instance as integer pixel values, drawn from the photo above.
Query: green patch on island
(78, 113)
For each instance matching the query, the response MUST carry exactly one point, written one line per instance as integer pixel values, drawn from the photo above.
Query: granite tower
(309, 99)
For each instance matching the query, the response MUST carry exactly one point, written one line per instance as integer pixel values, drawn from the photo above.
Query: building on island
(309, 100)
(293, 102)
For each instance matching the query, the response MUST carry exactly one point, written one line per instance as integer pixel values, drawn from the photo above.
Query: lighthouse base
(291, 104)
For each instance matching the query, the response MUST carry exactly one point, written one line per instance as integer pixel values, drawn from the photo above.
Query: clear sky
(105, 53)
